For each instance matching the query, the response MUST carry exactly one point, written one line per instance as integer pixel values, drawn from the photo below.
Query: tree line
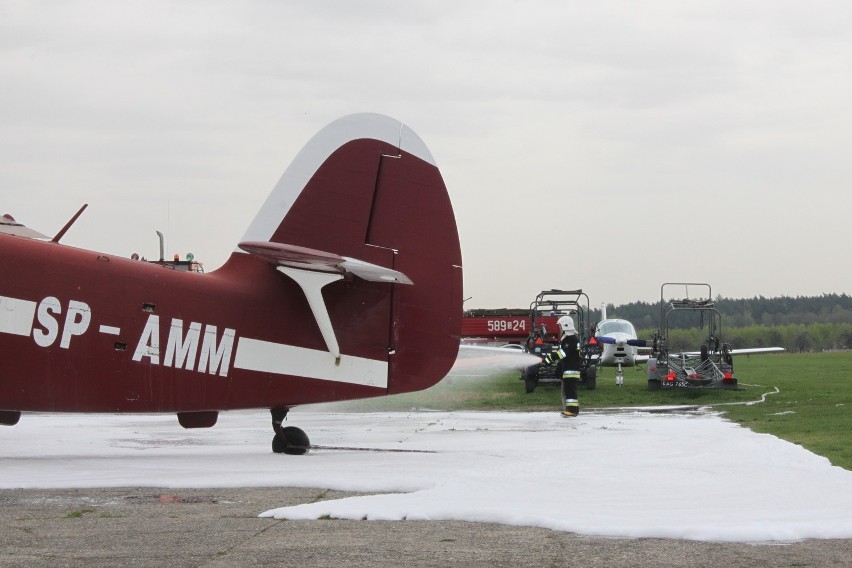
(803, 323)
(795, 338)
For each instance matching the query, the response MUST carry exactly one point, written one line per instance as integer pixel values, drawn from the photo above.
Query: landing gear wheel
(591, 380)
(292, 441)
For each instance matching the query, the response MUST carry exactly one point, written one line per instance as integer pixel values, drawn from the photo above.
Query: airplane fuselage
(617, 351)
(84, 331)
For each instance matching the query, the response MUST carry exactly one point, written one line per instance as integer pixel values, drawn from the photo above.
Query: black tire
(530, 378)
(278, 443)
(655, 384)
(705, 353)
(591, 377)
(291, 441)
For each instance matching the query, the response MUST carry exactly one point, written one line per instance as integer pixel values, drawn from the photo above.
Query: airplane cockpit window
(616, 326)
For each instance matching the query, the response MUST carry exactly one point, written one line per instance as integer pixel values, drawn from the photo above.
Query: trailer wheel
(530, 376)
(591, 377)
(655, 384)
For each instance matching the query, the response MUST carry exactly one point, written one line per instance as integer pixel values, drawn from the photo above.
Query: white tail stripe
(317, 151)
(282, 359)
(16, 316)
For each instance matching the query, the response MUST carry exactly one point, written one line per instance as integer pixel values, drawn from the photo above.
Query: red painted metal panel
(505, 327)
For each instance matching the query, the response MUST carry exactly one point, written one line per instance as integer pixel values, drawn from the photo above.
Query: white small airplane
(620, 346)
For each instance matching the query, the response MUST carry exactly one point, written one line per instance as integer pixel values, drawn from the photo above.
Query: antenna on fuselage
(67, 226)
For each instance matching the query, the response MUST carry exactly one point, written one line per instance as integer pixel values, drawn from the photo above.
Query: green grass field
(813, 407)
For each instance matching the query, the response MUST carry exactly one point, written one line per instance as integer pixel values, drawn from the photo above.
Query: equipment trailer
(711, 367)
(548, 306)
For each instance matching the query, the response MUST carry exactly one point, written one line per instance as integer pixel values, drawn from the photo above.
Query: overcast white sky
(700, 141)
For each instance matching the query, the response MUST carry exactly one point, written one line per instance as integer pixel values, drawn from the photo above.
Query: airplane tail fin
(362, 224)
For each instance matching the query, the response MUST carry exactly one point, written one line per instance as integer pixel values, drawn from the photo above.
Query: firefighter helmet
(566, 324)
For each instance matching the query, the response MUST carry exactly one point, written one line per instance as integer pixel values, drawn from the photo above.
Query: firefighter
(568, 363)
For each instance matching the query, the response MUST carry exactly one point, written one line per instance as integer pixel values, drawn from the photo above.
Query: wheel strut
(278, 416)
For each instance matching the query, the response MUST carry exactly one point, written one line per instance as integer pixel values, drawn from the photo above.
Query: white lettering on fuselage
(216, 356)
(44, 322)
(77, 321)
(181, 349)
(149, 342)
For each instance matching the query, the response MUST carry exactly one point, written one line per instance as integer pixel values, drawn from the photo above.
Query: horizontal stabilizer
(312, 259)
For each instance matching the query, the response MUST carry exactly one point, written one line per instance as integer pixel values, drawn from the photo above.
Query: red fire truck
(504, 325)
